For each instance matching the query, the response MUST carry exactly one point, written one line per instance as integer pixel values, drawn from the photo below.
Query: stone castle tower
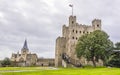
(70, 35)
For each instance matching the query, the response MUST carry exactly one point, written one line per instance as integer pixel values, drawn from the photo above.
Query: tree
(6, 62)
(115, 58)
(117, 45)
(94, 46)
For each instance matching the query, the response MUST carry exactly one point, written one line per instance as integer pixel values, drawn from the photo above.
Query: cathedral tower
(25, 49)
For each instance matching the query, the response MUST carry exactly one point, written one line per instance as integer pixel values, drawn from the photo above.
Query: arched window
(72, 22)
(80, 31)
(73, 37)
(83, 32)
(73, 30)
(76, 31)
(76, 38)
(98, 25)
(21, 59)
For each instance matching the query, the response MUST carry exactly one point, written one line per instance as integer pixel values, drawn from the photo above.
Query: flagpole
(71, 5)
(72, 10)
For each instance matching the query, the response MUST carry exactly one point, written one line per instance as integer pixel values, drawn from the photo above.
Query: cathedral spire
(25, 45)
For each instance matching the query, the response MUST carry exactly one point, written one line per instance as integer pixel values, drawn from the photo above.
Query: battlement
(96, 23)
(83, 25)
(96, 20)
(75, 29)
(71, 16)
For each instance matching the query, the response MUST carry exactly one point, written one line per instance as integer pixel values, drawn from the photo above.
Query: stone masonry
(70, 35)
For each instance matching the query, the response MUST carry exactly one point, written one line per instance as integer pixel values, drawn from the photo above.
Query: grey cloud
(40, 21)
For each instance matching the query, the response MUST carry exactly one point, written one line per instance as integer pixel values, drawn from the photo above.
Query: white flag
(70, 5)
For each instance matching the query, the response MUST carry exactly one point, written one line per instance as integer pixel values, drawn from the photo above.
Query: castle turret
(96, 23)
(65, 31)
(72, 20)
(60, 49)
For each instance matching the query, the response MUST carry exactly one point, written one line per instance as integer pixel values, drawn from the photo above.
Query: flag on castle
(70, 5)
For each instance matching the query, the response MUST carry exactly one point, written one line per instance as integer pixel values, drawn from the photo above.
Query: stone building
(26, 58)
(45, 62)
(70, 35)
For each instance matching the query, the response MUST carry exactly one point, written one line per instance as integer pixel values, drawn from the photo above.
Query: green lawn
(59, 71)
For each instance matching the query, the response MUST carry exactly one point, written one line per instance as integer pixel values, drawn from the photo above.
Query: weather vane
(71, 5)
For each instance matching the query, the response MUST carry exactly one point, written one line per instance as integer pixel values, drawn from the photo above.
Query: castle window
(80, 31)
(83, 32)
(72, 37)
(72, 22)
(73, 30)
(98, 25)
(76, 31)
(76, 38)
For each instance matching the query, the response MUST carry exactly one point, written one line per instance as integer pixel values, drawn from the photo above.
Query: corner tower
(96, 23)
(72, 20)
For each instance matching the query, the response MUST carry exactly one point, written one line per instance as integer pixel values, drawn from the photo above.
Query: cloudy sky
(40, 21)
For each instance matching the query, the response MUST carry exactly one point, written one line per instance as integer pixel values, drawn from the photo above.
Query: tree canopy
(115, 57)
(117, 45)
(6, 62)
(94, 46)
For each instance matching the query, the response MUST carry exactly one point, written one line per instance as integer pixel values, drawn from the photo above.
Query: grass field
(58, 71)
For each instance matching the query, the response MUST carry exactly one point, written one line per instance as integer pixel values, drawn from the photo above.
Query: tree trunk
(93, 61)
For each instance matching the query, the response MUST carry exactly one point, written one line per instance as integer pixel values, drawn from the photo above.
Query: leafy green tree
(115, 58)
(117, 45)
(6, 62)
(94, 46)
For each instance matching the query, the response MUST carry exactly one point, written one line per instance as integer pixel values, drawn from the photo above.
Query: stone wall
(45, 62)
(60, 48)
(70, 35)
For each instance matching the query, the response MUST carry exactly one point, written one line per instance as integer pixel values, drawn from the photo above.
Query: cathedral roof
(25, 45)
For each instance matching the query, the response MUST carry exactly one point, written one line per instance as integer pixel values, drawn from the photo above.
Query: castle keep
(70, 35)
